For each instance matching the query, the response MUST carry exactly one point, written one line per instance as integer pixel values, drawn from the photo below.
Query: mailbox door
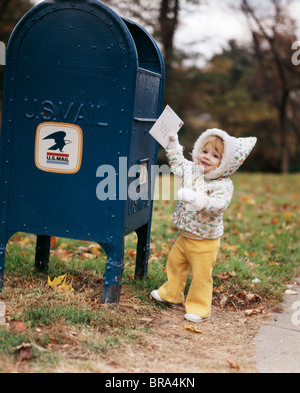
(144, 148)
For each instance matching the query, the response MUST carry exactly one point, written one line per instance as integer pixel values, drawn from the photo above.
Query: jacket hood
(236, 150)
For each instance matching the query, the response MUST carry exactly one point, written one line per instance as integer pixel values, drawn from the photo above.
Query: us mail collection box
(82, 89)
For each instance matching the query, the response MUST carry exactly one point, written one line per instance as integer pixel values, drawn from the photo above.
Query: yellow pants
(201, 256)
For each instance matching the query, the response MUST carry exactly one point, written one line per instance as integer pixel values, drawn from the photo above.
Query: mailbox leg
(113, 272)
(142, 253)
(42, 252)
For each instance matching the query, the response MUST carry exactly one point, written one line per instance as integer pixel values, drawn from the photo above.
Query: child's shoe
(156, 296)
(195, 318)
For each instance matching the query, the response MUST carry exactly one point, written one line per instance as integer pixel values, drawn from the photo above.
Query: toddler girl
(202, 201)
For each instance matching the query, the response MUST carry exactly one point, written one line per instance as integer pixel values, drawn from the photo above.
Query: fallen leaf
(223, 301)
(53, 242)
(250, 297)
(291, 292)
(288, 216)
(25, 242)
(269, 245)
(87, 255)
(146, 319)
(230, 248)
(95, 251)
(234, 365)
(256, 311)
(18, 326)
(24, 352)
(63, 254)
(152, 246)
(249, 199)
(192, 329)
(256, 281)
(56, 281)
(239, 216)
(225, 276)
(252, 254)
(60, 283)
(95, 245)
(131, 252)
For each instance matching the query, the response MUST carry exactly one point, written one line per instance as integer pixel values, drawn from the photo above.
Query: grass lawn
(259, 255)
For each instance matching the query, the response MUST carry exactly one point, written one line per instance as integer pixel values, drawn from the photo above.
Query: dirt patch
(225, 344)
(157, 339)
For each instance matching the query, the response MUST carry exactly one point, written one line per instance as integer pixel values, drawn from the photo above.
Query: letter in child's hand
(167, 125)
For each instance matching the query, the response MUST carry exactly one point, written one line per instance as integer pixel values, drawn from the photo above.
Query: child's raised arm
(175, 156)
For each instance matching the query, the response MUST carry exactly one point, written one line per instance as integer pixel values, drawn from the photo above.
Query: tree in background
(250, 89)
(273, 33)
(161, 18)
(11, 12)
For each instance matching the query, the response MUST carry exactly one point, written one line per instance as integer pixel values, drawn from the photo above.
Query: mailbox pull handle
(145, 120)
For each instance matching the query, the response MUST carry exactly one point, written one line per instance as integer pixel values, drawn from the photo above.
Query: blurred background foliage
(247, 90)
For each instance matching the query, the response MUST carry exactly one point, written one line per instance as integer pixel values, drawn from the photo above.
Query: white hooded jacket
(203, 199)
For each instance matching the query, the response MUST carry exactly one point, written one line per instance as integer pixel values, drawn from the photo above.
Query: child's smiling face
(209, 158)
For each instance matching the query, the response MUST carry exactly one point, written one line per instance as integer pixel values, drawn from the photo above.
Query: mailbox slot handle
(145, 120)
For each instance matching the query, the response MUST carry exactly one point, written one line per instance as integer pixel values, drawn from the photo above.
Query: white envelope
(168, 124)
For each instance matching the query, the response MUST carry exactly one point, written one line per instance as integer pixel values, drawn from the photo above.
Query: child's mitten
(186, 195)
(174, 143)
(191, 197)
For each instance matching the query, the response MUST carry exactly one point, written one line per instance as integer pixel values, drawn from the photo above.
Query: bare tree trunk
(168, 22)
(280, 67)
(284, 134)
(3, 7)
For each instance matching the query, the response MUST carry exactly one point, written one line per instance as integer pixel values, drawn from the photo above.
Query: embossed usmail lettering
(72, 112)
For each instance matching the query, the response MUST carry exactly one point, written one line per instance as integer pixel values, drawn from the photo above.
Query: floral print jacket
(203, 219)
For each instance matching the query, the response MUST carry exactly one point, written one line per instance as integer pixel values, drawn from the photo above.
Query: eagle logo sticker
(58, 147)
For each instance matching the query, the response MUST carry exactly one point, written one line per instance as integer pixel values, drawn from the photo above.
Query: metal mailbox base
(114, 266)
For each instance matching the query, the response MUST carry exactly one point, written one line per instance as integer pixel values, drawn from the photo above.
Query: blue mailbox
(82, 89)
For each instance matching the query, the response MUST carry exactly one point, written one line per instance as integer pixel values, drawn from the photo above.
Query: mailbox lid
(149, 54)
